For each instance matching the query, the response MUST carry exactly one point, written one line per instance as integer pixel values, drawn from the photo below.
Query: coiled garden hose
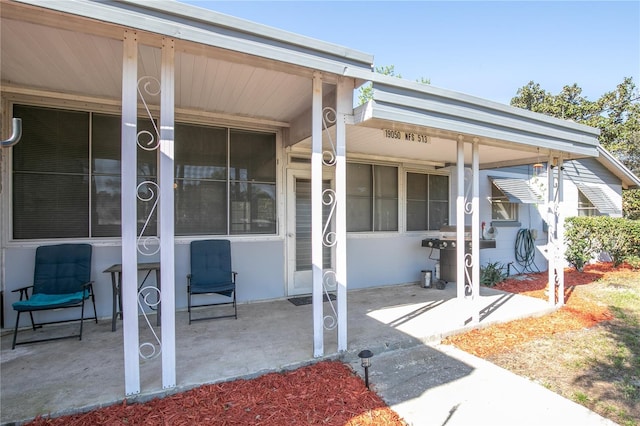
(525, 250)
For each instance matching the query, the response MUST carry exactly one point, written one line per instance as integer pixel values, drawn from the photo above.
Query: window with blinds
(67, 177)
(372, 198)
(427, 202)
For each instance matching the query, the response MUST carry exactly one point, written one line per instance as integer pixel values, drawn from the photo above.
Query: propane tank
(437, 270)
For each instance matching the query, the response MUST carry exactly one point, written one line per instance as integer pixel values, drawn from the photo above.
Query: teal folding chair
(62, 279)
(211, 275)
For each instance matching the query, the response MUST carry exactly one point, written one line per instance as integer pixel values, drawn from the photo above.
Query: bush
(492, 273)
(587, 237)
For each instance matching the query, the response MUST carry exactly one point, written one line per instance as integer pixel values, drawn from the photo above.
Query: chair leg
(81, 320)
(189, 305)
(235, 306)
(93, 299)
(15, 331)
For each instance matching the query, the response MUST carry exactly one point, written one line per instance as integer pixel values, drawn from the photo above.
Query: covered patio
(179, 68)
(267, 336)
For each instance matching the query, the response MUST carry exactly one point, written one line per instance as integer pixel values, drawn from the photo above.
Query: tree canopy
(616, 114)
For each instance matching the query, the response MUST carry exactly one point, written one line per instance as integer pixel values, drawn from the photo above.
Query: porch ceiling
(440, 151)
(83, 65)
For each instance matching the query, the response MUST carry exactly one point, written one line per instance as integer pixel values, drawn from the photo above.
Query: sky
(488, 49)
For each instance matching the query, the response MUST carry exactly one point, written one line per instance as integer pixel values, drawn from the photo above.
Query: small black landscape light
(365, 360)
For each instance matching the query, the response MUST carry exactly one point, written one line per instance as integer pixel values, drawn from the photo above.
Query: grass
(598, 367)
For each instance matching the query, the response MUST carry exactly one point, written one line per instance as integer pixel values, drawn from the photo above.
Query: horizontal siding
(589, 170)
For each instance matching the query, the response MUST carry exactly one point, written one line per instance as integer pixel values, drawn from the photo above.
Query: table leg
(114, 295)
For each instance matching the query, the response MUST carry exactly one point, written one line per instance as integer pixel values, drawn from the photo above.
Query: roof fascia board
(315, 54)
(471, 113)
(421, 90)
(629, 179)
(393, 114)
(207, 16)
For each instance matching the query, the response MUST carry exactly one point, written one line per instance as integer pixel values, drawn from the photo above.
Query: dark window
(67, 178)
(427, 202)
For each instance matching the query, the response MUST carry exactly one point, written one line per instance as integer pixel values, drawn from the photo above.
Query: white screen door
(299, 233)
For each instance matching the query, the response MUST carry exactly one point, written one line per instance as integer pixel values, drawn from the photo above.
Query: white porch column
(460, 260)
(551, 231)
(316, 216)
(129, 219)
(560, 233)
(475, 231)
(166, 225)
(344, 109)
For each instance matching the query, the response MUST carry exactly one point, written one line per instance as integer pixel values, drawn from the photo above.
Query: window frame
(98, 108)
(406, 198)
(372, 198)
(590, 210)
(513, 208)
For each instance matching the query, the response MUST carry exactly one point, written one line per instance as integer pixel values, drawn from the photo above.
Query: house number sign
(405, 136)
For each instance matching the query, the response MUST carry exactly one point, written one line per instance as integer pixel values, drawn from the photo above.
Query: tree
(366, 91)
(616, 114)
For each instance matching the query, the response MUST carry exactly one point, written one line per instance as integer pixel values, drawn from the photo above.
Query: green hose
(526, 250)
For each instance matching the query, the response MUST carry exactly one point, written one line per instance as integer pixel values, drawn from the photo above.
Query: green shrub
(492, 273)
(587, 237)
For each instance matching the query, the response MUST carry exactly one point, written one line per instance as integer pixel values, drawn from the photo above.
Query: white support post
(167, 232)
(460, 266)
(560, 233)
(344, 109)
(551, 232)
(129, 280)
(316, 216)
(475, 231)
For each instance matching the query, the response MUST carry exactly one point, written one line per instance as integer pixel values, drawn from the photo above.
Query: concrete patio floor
(68, 376)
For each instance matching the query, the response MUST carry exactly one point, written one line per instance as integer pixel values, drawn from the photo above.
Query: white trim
(460, 217)
(129, 218)
(344, 108)
(475, 232)
(316, 217)
(166, 223)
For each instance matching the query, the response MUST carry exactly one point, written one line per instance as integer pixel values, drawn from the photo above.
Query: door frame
(290, 227)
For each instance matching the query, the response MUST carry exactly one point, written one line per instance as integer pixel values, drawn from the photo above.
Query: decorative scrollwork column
(148, 192)
(330, 320)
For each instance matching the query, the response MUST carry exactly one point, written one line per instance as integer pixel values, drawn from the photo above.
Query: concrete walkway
(69, 376)
(441, 385)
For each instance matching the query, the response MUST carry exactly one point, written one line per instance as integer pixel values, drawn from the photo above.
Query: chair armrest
(23, 291)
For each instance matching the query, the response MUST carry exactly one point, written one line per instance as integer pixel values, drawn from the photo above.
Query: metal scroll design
(468, 210)
(148, 192)
(468, 180)
(329, 237)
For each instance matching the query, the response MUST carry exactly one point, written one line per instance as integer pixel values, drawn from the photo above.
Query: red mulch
(577, 313)
(326, 393)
